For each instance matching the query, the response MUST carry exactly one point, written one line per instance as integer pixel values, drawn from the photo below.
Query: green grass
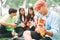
(3, 38)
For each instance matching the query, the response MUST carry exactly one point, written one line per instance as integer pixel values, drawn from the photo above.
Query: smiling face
(30, 11)
(21, 11)
(41, 7)
(28, 24)
(43, 10)
(14, 14)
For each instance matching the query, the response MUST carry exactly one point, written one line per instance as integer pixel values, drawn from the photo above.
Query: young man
(8, 23)
(51, 25)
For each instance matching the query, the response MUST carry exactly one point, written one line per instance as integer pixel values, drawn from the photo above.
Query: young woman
(21, 22)
(31, 17)
(30, 14)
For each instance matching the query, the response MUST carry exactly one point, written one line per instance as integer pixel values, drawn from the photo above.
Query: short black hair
(12, 10)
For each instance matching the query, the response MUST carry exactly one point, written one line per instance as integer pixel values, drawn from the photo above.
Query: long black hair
(21, 14)
(29, 15)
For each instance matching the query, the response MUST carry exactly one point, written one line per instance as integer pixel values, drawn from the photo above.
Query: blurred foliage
(56, 1)
(14, 3)
(17, 3)
(50, 2)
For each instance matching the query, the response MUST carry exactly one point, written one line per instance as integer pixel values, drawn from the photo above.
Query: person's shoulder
(54, 14)
(36, 13)
(6, 16)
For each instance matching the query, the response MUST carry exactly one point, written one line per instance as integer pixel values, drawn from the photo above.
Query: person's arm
(8, 24)
(41, 31)
(50, 33)
(3, 21)
(54, 27)
(5, 24)
(35, 20)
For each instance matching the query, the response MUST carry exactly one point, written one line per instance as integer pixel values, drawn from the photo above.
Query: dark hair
(29, 15)
(12, 10)
(21, 14)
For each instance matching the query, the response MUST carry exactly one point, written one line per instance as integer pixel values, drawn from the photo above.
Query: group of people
(39, 23)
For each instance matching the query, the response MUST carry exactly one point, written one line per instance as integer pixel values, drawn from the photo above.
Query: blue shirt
(52, 23)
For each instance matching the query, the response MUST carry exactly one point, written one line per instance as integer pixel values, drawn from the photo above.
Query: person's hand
(42, 32)
(37, 30)
(13, 25)
(35, 24)
(28, 24)
(13, 34)
(23, 25)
